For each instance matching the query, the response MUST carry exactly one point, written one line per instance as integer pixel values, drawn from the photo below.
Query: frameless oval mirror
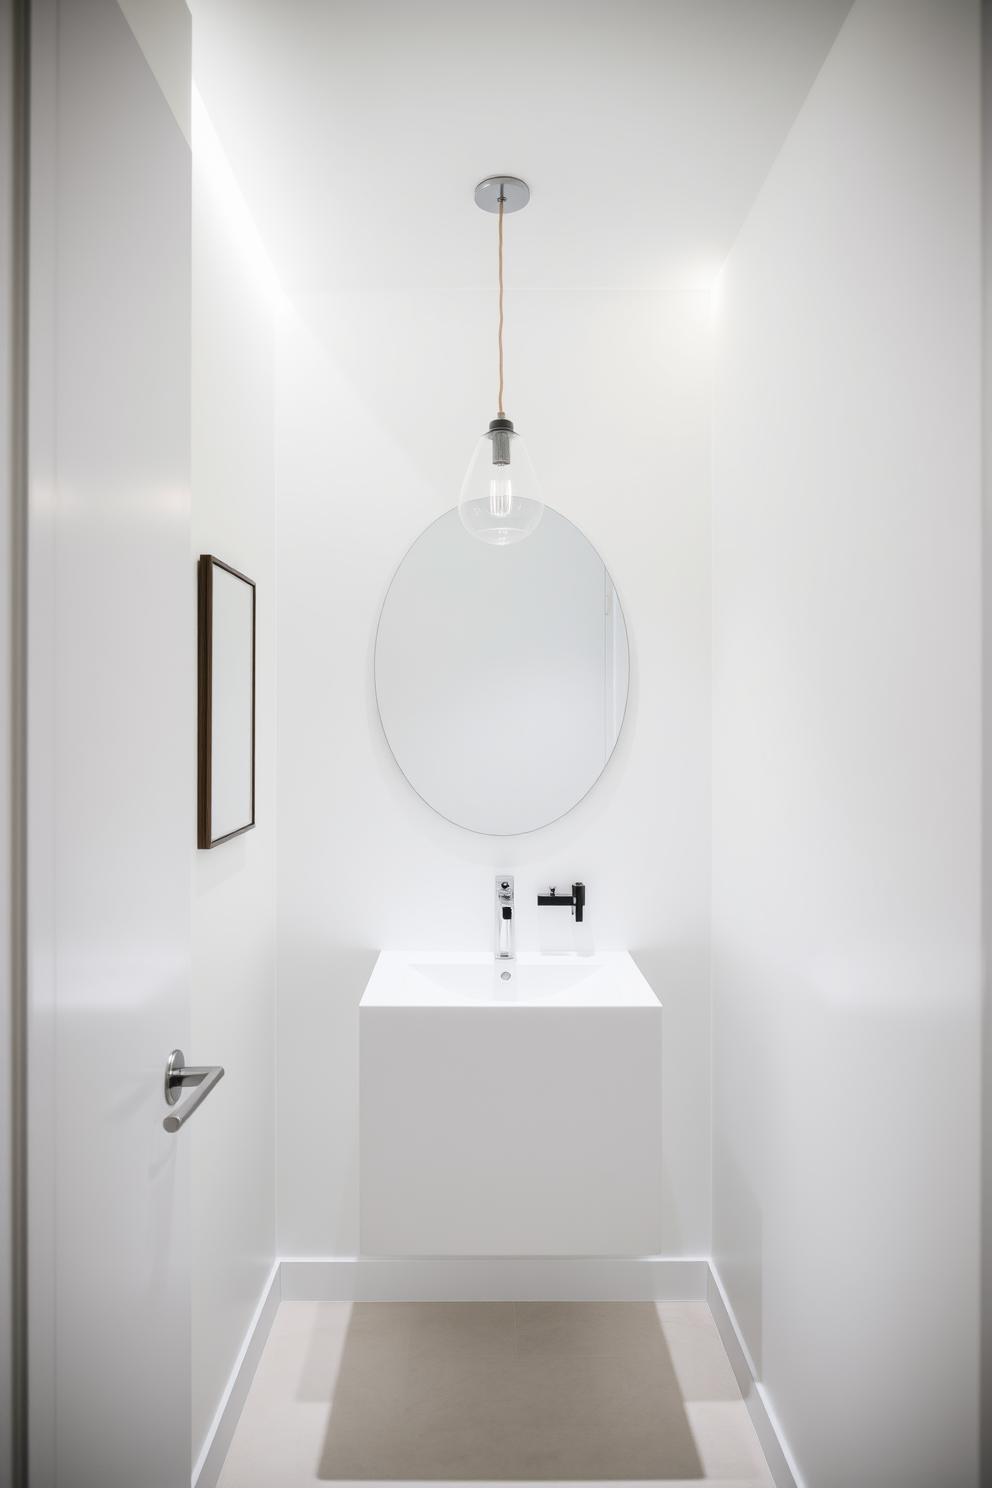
(501, 673)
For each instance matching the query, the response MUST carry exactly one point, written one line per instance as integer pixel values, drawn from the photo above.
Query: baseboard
(493, 1279)
(780, 1461)
(215, 1449)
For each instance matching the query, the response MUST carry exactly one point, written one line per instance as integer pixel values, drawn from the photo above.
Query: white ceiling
(359, 128)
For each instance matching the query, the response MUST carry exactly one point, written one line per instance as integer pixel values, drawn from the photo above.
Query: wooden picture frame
(225, 774)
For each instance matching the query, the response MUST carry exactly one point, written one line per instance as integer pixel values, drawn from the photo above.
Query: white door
(111, 677)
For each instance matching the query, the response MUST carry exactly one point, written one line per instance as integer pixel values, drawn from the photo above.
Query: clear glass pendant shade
(501, 501)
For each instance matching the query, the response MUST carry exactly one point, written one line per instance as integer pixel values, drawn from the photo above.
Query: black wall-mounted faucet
(577, 899)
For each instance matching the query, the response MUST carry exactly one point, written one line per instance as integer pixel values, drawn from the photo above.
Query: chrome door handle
(177, 1074)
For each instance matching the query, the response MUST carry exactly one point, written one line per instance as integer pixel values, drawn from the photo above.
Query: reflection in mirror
(501, 673)
(226, 767)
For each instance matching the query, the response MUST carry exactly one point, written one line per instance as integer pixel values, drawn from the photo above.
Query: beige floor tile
(580, 1391)
(630, 1328)
(727, 1441)
(698, 1356)
(281, 1433)
(277, 1451)
(532, 1392)
(463, 1330)
(321, 1349)
(278, 1439)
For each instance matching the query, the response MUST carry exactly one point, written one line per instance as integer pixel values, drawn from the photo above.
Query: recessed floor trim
(532, 1282)
(494, 1279)
(207, 1468)
(773, 1443)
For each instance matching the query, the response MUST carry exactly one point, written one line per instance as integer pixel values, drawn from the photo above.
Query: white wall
(846, 760)
(381, 396)
(163, 30)
(233, 903)
(111, 772)
(11, 719)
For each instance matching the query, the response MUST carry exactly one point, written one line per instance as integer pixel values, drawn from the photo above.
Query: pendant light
(501, 501)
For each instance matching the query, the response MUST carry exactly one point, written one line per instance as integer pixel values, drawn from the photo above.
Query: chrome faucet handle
(504, 948)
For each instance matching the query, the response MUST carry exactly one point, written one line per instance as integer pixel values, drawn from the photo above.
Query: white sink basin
(509, 1116)
(451, 978)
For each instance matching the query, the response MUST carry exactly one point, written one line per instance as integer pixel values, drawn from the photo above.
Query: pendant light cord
(501, 199)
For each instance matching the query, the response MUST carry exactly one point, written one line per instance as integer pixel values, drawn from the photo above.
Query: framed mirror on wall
(226, 710)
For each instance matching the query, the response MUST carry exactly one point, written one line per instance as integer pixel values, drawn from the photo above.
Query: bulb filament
(500, 497)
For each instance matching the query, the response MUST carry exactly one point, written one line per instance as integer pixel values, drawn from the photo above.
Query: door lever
(177, 1074)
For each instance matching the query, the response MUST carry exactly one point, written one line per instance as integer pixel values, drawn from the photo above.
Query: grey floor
(494, 1391)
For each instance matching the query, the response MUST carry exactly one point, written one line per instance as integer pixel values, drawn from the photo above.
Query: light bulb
(501, 501)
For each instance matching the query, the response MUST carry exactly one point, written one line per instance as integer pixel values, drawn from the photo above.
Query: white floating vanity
(509, 1109)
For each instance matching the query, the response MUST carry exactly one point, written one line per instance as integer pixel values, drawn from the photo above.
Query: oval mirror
(501, 673)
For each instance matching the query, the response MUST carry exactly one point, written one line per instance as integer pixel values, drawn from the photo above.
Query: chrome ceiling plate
(515, 193)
